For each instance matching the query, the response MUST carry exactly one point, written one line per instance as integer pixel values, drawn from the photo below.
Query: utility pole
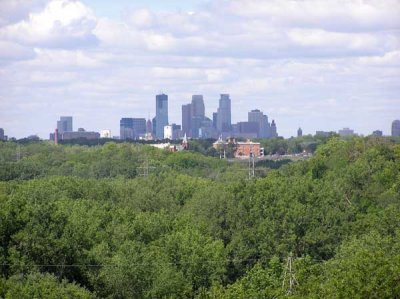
(250, 166)
(18, 155)
(251, 163)
(254, 166)
(289, 271)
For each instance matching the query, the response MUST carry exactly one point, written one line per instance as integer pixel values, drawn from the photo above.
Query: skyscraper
(139, 126)
(299, 132)
(224, 114)
(186, 118)
(161, 114)
(132, 128)
(258, 117)
(274, 132)
(64, 124)
(396, 128)
(198, 109)
(126, 128)
(197, 115)
(215, 119)
(196, 123)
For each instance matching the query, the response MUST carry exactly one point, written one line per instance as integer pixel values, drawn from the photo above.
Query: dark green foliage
(80, 222)
(44, 286)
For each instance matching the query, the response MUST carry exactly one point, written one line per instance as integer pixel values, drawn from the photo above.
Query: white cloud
(390, 59)
(62, 23)
(11, 51)
(63, 59)
(12, 11)
(141, 18)
(301, 62)
(339, 15)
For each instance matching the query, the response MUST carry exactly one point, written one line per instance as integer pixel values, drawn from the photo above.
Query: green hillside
(132, 221)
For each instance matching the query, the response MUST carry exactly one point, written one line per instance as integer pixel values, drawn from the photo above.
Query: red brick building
(243, 149)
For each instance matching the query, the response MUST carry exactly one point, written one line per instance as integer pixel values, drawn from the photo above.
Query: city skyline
(133, 128)
(312, 64)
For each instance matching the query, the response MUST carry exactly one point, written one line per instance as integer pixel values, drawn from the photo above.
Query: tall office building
(154, 125)
(64, 124)
(273, 130)
(246, 129)
(161, 114)
(196, 123)
(139, 127)
(396, 128)
(299, 132)
(197, 115)
(198, 109)
(224, 123)
(214, 119)
(126, 129)
(132, 128)
(263, 126)
(186, 119)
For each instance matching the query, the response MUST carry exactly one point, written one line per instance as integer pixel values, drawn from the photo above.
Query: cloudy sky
(318, 64)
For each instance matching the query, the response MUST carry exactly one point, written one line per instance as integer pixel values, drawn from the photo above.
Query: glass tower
(161, 114)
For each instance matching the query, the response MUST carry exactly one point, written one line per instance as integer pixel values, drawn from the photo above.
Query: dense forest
(132, 221)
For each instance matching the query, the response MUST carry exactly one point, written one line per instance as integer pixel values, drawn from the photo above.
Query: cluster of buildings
(64, 131)
(195, 124)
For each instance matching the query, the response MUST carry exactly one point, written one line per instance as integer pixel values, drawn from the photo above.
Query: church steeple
(185, 143)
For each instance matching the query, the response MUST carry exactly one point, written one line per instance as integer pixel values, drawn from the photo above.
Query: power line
(129, 264)
(289, 269)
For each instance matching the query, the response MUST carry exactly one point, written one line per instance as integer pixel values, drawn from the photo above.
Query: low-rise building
(247, 149)
(105, 134)
(81, 133)
(241, 149)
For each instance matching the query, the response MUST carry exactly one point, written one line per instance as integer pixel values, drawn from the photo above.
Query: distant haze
(321, 65)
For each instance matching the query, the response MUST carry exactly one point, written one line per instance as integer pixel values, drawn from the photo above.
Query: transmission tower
(145, 169)
(289, 275)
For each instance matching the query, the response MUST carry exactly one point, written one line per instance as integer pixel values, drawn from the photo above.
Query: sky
(314, 64)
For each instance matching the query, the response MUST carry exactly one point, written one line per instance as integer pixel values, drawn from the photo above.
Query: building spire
(185, 144)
